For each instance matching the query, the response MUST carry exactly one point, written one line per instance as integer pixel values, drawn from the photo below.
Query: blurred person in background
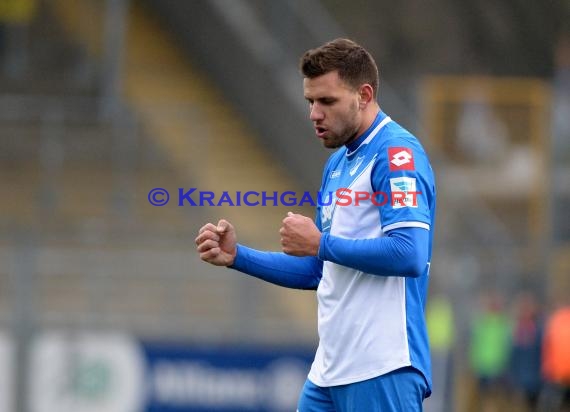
(441, 329)
(525, 361)
(555, 396)
(368, 263)
(489, 353)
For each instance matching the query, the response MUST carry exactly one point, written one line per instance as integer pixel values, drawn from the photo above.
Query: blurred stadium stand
(101, 101)
(78, 179)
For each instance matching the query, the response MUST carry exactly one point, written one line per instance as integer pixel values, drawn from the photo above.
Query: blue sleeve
(402, 252)
(278, 268)
(404, 173)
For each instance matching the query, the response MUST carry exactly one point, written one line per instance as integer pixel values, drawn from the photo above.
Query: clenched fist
(299, 235)
(217, 244)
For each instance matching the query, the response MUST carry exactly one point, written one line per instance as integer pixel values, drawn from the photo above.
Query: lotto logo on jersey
(400, 158)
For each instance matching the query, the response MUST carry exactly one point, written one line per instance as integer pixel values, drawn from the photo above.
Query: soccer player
(368, 257)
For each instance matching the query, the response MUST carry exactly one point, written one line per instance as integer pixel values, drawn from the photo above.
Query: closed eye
(325, 101)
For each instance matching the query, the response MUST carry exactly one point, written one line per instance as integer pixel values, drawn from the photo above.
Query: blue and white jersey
(368, 324)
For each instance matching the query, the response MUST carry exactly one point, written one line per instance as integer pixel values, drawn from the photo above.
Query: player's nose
(316, 113)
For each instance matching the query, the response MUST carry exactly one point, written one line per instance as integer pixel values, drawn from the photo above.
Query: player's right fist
(217, 244)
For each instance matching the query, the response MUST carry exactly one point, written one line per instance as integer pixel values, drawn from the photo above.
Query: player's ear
(366, 94)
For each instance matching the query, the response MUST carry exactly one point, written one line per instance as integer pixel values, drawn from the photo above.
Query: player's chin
(331, 144)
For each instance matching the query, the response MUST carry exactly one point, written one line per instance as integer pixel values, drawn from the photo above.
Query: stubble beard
(348, 133)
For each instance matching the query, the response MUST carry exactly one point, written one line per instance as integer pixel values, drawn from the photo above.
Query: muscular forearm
(403, 252)
(279, 268)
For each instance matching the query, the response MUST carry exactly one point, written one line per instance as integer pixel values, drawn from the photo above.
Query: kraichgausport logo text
(402, 194)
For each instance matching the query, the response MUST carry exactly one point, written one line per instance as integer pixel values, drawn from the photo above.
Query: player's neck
(368, 118)
(362, 134)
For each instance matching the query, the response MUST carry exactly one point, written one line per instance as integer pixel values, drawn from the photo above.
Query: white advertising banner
(86, 373)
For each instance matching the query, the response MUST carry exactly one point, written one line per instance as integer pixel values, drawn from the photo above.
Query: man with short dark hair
(368, 251)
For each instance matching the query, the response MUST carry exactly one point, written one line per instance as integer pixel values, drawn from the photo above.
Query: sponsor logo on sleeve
(404, 193)
(400, 158)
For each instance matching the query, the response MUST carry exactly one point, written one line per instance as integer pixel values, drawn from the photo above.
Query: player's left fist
(299, 235)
